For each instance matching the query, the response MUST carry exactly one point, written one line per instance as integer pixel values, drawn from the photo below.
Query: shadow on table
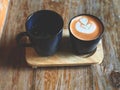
(13, 56)
(65, 46)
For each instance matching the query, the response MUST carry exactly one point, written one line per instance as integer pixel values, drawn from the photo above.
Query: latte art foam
(85, 27)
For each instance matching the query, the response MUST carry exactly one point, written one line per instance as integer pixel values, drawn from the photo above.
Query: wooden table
(15, 74)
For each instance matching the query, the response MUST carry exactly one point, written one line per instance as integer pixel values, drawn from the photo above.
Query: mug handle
(20, 36)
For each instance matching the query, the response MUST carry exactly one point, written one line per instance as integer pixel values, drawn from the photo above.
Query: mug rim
(39, 11)
(102, 26)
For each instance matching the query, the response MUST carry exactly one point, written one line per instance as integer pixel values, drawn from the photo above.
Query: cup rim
(101, 34)
(38, 11)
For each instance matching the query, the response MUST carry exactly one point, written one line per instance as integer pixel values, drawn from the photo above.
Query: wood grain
(111, 61)
(15, 74)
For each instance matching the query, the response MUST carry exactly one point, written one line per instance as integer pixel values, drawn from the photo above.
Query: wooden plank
(101, 73)
(65, 78)
(14, 72)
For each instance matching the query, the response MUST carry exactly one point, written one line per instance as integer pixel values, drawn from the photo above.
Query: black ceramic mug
(44, 29)
(85, 33)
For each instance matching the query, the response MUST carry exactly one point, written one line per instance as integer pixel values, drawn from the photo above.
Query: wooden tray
(64, 56)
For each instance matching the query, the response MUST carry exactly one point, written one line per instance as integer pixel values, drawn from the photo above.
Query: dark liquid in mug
(38, 32)
(44, 24)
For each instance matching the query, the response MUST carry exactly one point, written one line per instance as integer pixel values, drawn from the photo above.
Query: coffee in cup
(85, 32)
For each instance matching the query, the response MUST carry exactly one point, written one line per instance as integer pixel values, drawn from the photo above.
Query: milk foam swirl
(84, 26)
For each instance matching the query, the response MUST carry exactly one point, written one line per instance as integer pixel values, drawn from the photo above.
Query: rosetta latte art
(84, 26)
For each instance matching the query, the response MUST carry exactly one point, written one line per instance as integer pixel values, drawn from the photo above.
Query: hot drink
(85, 27)
(85, 33)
